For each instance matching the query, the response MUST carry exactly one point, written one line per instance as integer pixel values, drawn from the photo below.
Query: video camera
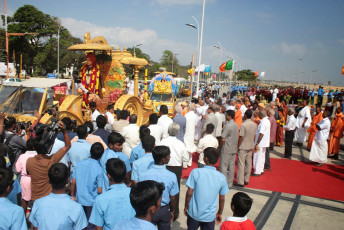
(47, 134)
(51, 111)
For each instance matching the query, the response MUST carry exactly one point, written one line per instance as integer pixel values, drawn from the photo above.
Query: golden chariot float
(111, 66)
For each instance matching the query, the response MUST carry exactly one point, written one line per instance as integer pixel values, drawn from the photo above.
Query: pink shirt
(21, 162)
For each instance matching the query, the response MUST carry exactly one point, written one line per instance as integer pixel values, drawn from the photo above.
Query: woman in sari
(280, 124)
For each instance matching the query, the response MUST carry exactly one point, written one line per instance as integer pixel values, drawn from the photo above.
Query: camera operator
(38, 166)
(16, 144)
(69, 127)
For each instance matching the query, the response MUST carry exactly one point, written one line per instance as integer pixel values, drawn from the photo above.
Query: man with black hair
(211, 119)
(164, 120)
(80, 149)
(155, 130)
(131, 135)
(88, 180)
(57, 210)
(121, 121)
(205, 185)
(91, 138)
(11, 215)
(109, 115)
(139, 151)
(245, 147)
(37, 167)
(159, 173)
(141, 165)
(95, 113)
(112, 206)
(145, 197)
(115, 141)
(101, 122)
(16, 144)
(207, 141)
(229, 147)
(69, 127)
(240, 205)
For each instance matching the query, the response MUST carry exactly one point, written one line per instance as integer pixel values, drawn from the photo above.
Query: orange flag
(256, 73)
(343, 70)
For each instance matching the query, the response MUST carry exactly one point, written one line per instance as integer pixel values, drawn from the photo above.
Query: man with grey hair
(289, 132)
(220, 120)
(211, 119)
(262, 141)
(178, 156)
(181, 121)
(273, 130)
(189, 137)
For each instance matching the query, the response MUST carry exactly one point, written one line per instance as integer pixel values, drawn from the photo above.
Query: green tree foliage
(167, 59)
(246, 75)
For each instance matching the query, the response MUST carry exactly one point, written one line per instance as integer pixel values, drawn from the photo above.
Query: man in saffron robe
(336, 133)
(238, 117)
(312, 129)
(91, 78)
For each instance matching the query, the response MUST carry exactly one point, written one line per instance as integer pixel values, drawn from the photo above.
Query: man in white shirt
(243, 108)
(155, 130)
(130, 86)
(303, 121)
(207, 141)
(319, 148)
(164, 120)
(289, 132)
(131, 135)
(95, 113)
(262, 141)
(220, 119)
(201, 112)
(189, 137)
(110, 118)
(178, 156)
(274, 95)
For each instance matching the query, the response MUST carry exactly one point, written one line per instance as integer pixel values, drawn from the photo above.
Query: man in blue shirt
(115, 141)
(330, 94)
(69, 127)
(58, 210)
(138, 151)
(204, 186)
(312, 96)
(11, 215)
(159, 173)
(141, 165)
(320, 95)
(145, 197)
(113, 205)
(88, 180)
(80, 149)
(101, 122)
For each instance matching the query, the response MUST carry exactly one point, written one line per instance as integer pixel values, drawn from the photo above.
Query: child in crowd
(58, 210)
(88, 180)
(113, 205)
(11, 215)
(241, 205)
(145, 197)
(115, 141)
(205, 185)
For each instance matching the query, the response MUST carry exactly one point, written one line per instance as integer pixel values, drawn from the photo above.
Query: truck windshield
(161, 97)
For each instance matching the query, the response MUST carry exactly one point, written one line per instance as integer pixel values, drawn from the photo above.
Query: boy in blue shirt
(141, 165)
(113, 205)
(88, 180)
(115, 141)
(159, 173)
(145, 197)
(204, 186)
(139, 151)
(57, 210)
(11, 215)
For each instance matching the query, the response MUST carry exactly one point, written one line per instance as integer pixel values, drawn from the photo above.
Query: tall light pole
(58, 51)
(173, 55)
(313, 71)
(200, 47)
(136, 47)
(197, 28)
(300, 59)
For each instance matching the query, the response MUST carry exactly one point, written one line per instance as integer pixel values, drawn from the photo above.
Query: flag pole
(192, 73)
(200, 47)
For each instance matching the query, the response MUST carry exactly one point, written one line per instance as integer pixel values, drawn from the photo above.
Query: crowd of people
(110, 173)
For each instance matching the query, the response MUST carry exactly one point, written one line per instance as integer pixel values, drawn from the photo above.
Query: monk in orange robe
(238, 117)
(336, 133)
(256, 119)
(312, 129)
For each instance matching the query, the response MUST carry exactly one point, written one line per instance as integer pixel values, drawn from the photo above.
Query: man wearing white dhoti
(303, 122)
(319, 148)
(189, 137)
(262, 141)
(274, 95)
(201, 112)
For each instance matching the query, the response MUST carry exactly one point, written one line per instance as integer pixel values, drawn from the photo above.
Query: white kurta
(131, 136)
(319, 148)
(200, 111)
(259, 156)
(300, 135)
(189, 136)
(164, 121)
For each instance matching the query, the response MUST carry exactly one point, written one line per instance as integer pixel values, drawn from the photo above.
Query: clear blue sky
(269, 35)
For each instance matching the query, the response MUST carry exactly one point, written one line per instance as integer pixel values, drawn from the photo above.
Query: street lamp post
(313, 71)
(173, 55)
(300, 59)
(220, 48)
(136, 47)
(58, 51)
(200, 47)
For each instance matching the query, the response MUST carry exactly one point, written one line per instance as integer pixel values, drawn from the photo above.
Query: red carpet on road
(296, 177)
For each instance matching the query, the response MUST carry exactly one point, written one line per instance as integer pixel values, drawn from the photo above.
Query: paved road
(275, 210)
